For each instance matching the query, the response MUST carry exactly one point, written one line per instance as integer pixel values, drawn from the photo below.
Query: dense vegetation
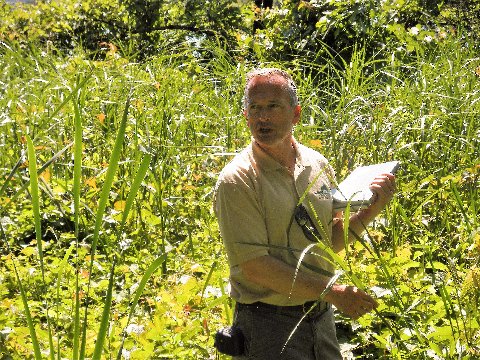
(116, 118)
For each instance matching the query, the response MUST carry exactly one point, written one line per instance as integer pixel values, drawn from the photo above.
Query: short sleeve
(241, 220)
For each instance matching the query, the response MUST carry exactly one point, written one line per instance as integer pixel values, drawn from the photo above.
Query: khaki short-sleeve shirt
(255, 201)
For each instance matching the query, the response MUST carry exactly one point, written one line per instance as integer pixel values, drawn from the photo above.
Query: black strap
(305, 222)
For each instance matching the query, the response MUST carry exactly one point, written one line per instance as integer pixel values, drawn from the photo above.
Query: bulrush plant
(80, 321)
(80, 296)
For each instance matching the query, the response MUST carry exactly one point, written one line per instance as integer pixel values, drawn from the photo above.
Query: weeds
(105, 275)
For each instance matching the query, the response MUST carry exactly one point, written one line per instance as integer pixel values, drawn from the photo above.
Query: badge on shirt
(324, 193)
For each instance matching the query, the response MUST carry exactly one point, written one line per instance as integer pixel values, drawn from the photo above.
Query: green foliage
(419, 105)
(139, 28)
(299, 30)
(172, 212)
(291, 30)
(155, 21)
(65, 24)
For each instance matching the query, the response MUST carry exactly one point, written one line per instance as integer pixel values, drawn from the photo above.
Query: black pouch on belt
(230, 341)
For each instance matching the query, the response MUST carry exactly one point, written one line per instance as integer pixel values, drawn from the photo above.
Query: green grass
(118, 249)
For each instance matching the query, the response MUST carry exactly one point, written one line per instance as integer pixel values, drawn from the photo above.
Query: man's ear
(245, 115)
(297, 113)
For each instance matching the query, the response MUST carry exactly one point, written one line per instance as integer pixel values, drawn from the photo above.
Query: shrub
(298, 29)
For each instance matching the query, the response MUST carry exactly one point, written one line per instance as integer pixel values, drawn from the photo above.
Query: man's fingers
(356, 302)
(385, 181)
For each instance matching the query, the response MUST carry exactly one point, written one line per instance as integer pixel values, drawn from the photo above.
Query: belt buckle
(318, 309)
(309, 308)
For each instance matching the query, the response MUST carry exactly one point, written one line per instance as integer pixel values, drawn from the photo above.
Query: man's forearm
(278, 276)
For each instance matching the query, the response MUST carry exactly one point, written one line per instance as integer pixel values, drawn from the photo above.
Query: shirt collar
(268, 163)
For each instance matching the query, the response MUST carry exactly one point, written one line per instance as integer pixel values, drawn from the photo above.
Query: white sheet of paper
(355, 188)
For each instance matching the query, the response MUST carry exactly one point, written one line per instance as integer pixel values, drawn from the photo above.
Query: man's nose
(263, 115)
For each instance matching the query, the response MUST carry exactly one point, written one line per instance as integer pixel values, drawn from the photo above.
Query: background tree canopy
(266, 30)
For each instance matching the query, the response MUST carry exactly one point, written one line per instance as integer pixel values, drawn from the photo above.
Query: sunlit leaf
(46, 175)
(101, 118)
(120, 205)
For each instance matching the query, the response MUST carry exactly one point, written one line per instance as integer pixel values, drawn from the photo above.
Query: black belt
(312, 309)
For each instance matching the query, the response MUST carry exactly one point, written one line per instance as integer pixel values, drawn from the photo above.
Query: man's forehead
(268, 79)
(267, 91)
(263, 85)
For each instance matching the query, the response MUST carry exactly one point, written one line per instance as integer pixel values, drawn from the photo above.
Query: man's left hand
(384, 188)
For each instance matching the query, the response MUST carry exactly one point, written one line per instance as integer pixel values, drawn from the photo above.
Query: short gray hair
(290, 86)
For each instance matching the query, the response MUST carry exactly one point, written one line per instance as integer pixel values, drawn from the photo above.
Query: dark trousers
(275, 333)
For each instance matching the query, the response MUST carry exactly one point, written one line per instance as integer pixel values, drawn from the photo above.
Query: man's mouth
(264, 130)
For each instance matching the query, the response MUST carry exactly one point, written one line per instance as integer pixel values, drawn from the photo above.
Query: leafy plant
(155, 265)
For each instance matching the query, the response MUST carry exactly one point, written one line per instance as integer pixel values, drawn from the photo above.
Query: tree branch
(191, 28)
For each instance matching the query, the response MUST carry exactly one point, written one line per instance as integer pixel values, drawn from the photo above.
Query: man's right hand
(351, 300)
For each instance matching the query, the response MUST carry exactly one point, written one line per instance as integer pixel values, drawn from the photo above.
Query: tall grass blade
(324, 292)
(140, 175)
(346, 228)
(61, 271)
(31, 327)
(36, 347)
(102, 332)
(77, 176)
(32, 168)
(112, 169)
(299, 263)
(148, 273)
(207, 279)
(459, 201)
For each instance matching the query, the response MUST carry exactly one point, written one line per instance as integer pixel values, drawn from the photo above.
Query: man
(274, 210)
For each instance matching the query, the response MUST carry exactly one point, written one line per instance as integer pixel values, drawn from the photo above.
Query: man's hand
(351, 301)
(384, 188)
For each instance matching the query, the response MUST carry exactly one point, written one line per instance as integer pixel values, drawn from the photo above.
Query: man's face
(269, 112)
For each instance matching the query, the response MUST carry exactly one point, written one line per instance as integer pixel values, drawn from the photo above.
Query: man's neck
(284, 152)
